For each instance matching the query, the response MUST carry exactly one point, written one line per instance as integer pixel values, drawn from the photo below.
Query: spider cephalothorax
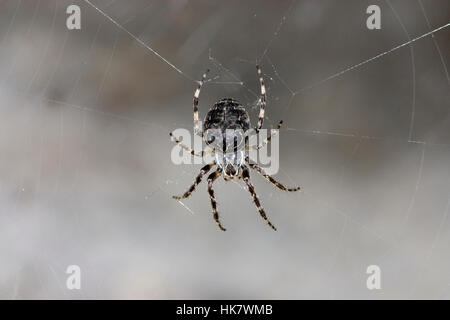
(225, 130)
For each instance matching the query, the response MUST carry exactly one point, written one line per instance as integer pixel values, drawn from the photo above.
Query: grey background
(86, 176)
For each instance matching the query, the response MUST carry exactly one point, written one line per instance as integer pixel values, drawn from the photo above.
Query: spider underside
(230, 160)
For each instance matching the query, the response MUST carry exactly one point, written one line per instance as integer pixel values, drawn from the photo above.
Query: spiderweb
(86, 176)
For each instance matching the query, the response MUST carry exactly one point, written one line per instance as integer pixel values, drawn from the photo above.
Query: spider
(224, 115)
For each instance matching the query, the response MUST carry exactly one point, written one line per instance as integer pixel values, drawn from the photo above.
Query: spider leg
(260, 170)
(251, 189)
(197, 129)
(262, 101)
(191, 151)
(211, 178)
(269, 137)
(197, 181)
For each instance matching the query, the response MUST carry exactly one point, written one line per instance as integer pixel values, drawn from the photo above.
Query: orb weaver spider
(224, 115)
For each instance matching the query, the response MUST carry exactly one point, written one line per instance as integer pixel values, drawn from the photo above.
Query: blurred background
(85, 171)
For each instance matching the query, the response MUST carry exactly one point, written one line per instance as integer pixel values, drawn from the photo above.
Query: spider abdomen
(226, 122)
(227, 114)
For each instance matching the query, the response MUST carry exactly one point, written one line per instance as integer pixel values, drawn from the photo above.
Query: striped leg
(251, 189)
(269, 137)
(197, 181)
(262, 105)
(211, 178)
(270, 178)
(197, 129)
(191, 151)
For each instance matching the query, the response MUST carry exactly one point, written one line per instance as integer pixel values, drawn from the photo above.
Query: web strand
(372, 59)
(413, 74)
(435, 42)
(277, 31)
(170, 64)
